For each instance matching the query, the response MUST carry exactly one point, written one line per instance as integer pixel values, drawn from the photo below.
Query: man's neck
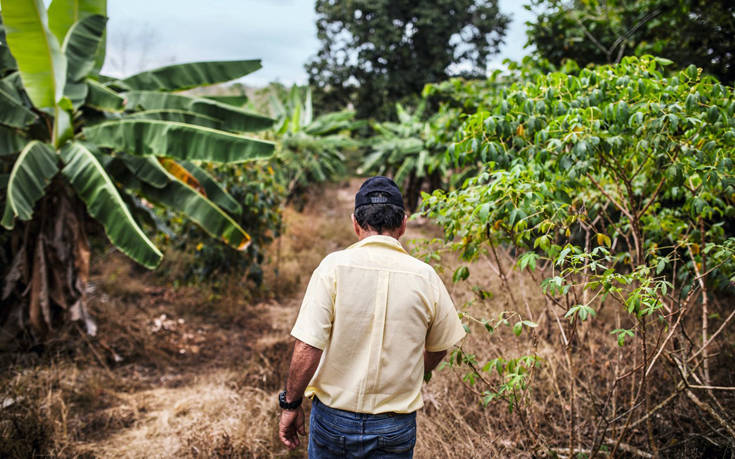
(365, 234)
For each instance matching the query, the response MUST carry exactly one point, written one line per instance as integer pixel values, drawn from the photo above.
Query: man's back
(373, 309)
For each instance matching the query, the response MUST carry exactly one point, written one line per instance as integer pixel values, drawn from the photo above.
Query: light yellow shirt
(373, 309)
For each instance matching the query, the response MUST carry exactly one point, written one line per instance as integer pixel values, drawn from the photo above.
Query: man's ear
(355, 226)
(402, 229)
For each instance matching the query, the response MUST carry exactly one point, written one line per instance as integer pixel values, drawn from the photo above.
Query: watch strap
(288, 405)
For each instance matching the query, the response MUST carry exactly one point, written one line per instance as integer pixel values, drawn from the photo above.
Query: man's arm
(432, 359)
(304, 361)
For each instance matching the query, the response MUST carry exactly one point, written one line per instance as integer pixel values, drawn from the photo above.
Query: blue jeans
(337, 433)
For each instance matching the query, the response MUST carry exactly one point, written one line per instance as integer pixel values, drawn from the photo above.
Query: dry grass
(189, 372)
(210, 415)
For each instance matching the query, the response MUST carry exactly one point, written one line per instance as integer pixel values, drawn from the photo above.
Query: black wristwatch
(286, 405)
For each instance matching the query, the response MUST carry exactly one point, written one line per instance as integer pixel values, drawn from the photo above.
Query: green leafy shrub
(616, 183)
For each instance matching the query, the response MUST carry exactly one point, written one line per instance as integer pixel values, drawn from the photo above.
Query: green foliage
(72, 139)
(507, 378)
(310, 150)
(256, 187)
(414, 149)
(634, 157)
(411, 151)
(374, 54)
(695, 32)
(618, 179)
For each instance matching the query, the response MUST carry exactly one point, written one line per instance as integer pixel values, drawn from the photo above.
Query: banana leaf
(190, 75)
(76, 93)
(181, 174)
(307, 116)
(237, 101)
(232, 118)
(41, 64)
(32, 172)
(178, 116)
(94, 187)
(147, 169)
(63, 14)
(332, 122)
(370, 162)
(215, 192)
(103, 99)
(176, 140)
(7, 61)
(13, 113)
(184, 199)
(296, 106)
(80, 46)
(8, 85)
(11, 141)
(421, 163)
(403, 116)
(404, 171)
(277, 107)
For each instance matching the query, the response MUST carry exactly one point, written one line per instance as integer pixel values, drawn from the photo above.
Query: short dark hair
(379, 217)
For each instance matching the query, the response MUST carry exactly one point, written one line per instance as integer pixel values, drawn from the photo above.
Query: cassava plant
(74, 143)
(614, 188)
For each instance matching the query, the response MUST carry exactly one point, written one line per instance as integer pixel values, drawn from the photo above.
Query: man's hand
(291, 426)
(304, 361)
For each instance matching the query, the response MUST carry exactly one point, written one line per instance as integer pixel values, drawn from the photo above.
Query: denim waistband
(354, 415)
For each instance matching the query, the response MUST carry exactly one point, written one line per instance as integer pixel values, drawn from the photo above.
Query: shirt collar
(379, 239)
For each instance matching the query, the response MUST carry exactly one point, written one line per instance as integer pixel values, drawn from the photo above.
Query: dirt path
(206, 379)
(193, 372)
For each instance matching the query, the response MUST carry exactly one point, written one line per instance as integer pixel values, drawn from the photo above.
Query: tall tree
(377, 52)
(699, 32)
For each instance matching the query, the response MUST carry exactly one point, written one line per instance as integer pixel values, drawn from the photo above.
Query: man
(373, 321)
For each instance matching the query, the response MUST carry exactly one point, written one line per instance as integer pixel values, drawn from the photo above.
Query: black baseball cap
(379, 190)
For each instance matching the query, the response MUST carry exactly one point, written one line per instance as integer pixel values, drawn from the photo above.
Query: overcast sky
(144, 34)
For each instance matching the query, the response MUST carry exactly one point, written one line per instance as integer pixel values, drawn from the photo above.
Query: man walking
(373, 321)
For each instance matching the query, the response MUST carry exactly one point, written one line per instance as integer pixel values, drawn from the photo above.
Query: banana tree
(412, 151)
(75, 143)
(310, 149)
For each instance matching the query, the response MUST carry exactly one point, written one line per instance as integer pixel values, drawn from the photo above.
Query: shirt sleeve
(314, 323)
(446, 329)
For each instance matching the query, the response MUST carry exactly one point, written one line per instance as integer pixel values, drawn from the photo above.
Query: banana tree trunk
(44, 284)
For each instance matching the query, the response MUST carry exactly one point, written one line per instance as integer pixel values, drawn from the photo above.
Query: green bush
(618, 180)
